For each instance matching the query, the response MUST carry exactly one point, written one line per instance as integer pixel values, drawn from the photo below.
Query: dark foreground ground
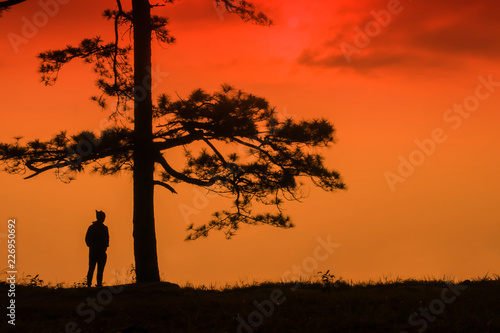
(409, 306)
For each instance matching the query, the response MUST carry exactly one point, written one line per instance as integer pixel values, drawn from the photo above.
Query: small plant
(80, 284)
(329, 282)
(189, 286)
(34, 281)
(131, 272)
(327, 279)
(58, 285)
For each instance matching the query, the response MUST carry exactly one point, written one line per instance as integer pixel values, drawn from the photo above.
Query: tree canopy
(278, 153)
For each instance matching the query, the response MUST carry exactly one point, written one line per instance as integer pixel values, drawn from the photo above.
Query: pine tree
(279, 152)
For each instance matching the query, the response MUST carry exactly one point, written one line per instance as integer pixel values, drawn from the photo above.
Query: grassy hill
(400, 306)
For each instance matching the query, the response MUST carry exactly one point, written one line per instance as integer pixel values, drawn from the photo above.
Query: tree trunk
(146, 260)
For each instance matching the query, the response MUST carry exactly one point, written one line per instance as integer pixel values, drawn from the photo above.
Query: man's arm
(107, 237)
(88, 237)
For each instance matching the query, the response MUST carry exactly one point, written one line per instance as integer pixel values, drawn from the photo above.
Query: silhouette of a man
(97, 239)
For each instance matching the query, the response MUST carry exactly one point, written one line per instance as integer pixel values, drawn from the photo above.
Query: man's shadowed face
(100, 215)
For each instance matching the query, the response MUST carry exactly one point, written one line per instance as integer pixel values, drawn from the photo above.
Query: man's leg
(92, 264)
(100, 267)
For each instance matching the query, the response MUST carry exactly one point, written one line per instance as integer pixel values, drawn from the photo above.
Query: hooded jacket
(97, 237)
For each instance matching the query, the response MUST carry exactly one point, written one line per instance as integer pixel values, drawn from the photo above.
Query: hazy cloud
(418, 33)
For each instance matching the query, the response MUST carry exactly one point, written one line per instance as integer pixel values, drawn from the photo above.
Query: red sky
(396, 88)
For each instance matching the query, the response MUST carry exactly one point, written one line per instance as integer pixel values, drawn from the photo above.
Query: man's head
(100, 216)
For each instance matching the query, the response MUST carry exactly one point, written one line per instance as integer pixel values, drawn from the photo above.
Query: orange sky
(393, 89)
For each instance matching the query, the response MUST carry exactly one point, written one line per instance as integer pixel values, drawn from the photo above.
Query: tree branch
(8, 3)
(259, 148)
(165, 185)
(38, 171)
(163, 162)
(176, 142)
(246, 11)
(219, 155)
